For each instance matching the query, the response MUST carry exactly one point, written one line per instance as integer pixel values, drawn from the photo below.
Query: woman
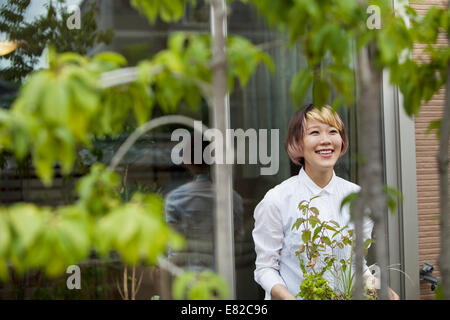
(315, 140)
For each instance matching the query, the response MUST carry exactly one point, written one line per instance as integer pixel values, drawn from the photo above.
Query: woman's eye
(333, 131)
(314, 132)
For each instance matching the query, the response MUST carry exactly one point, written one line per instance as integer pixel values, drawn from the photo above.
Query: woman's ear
(300, 149)
(343, 150)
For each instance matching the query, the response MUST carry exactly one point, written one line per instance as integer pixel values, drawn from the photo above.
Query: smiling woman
(309, 124)
(324, 141)
(315, 140)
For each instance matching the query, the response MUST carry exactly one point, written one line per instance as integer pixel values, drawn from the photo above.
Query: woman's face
(322, 146)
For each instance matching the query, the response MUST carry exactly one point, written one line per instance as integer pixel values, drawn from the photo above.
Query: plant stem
(125, 283)
(133, 280)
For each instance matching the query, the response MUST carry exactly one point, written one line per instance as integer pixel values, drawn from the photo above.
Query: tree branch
(150, 125)
(444, 257)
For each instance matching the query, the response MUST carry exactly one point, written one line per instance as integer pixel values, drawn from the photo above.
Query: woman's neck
(320, 178)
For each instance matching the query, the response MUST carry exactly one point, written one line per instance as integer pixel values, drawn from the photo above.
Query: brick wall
(427, 147)
(428, 188)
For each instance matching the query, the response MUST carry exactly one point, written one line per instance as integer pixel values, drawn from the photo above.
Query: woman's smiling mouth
(325, 153)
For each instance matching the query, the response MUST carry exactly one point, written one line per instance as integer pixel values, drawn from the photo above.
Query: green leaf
(350, 233)
(303, 207)
(177, 41)
(55, 102)
(302, 267)
(368, 242)
(26, 223)
(171, 10)
(321, 91)
(66, 149)
(5, 236)
(176, 241)
(346, 241)
(300, 85)
(349, 199)
(181, 285)
(113, 59)
(325, 240)
(328, 227)
(334, 223)
(44, 156)
(435, 125)
(205, 285)
(20, 137)
(306, 235)
(301, 249)
(84, 97)
(143, 102)
(302, 202)
(32, 91)
(297, 223)
(392, 196)
(439, 292)
(71, 57)
(316, 232)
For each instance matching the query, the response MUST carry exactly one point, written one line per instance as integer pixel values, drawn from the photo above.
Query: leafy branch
(317, 255)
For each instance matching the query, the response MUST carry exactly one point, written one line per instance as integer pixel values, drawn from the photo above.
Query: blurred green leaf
(321, 91)
(435, 125)
(202, 286)
(300, 85)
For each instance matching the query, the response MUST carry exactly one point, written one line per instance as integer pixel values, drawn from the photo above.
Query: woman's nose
(325, 138)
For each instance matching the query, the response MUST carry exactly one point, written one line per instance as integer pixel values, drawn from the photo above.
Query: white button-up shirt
(276, 244)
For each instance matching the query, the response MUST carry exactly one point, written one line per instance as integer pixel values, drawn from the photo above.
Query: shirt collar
(313, 187)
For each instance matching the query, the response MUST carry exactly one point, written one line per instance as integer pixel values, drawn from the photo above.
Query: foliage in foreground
(325, 254)
(51, 239)
(42, 120)
(66, 106)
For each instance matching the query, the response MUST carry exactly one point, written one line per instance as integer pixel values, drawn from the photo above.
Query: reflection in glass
(188, 190)
(190, 211)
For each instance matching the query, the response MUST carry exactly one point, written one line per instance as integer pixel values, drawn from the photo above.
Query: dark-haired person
(189, 209)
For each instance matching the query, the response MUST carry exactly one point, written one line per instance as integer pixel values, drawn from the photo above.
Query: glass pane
(187, 189)
(147, 167)
(264, 104)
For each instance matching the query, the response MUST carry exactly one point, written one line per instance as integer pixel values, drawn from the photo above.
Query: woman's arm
(393, 295)
(280, 292)
(268, 238)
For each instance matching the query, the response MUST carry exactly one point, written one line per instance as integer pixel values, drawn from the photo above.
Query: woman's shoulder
(281, 190)
(275, 198)
(347, 186)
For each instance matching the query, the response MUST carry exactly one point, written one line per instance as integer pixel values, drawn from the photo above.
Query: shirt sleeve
(367, 234)
(268, 237)
(171, 210)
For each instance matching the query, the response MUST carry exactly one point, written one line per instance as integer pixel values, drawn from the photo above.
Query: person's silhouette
(189, 210)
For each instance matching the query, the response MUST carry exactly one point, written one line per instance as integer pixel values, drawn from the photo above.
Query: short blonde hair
(297, 129)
